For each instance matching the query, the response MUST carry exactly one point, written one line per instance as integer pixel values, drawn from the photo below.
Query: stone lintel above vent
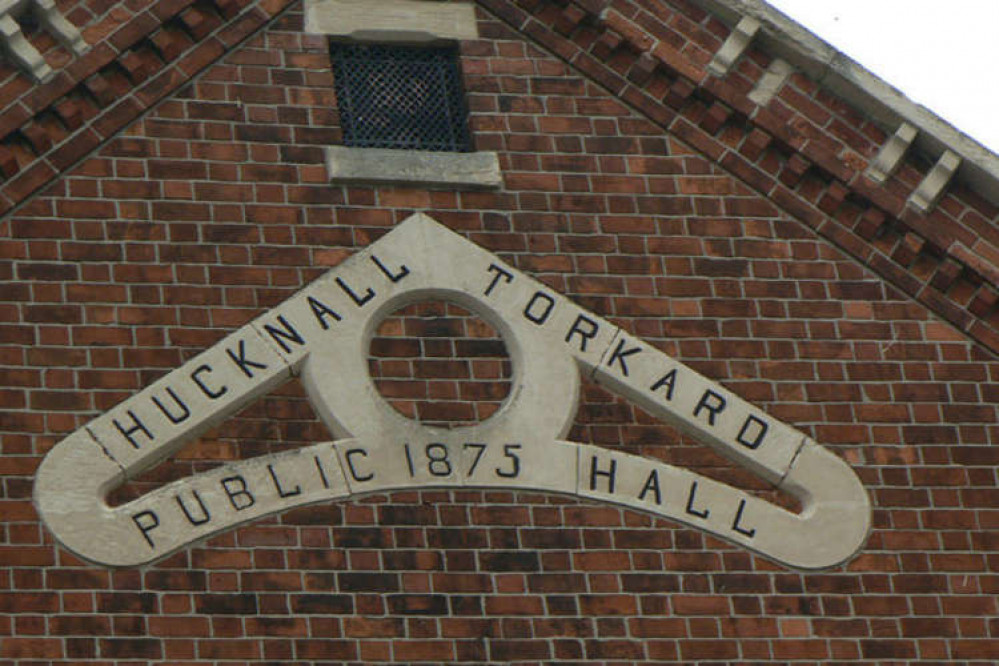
(409, 21)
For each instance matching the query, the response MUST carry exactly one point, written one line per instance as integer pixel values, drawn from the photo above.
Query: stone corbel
(892, 154)
(17, 46)
(20, 50)
(733, 48)
(62, 30)
(926, 196)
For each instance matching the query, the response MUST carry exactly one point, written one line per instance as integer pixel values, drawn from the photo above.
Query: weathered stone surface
(440, 264)
(70, 486)
(323, 333)
(17, 45)
(152, 424)
(346, 164)
(835, 514)
(771, 82)
(892, 153)
(391, 20)
(190, 509)
(926, 196)
(703, 408)
(681, 495)
(738, 41)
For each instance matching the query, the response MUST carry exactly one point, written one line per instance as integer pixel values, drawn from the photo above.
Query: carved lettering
(201, 519)
(185, 411)
(547, 305)
(137, 426)
(668, 382)
(500, 274)
(213, 394)
(322, 472)
(711, 402)
(619, 355)
(243, 363)
(321, 311)
(752, 433)
(510, 453)
(438, 462)
(349, 456)
(360, 301)
(398, 275)
(146, 521)
(736, 524)
(585, 334)
(610, 474)
(524, 448)
(691, 511)
(281, 491)
(286, 333)
(479, 450)
(652, 486)
(239, 495)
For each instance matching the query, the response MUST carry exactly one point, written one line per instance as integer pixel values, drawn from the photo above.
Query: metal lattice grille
(401, 97)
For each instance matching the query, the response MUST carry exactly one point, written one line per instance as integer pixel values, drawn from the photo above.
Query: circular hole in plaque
(439, 364)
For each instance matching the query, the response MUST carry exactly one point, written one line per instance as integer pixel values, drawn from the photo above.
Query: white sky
(940, 53)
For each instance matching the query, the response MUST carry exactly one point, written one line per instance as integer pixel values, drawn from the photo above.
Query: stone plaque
(322, 335)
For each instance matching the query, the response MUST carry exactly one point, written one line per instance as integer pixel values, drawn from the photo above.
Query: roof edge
(885, 104)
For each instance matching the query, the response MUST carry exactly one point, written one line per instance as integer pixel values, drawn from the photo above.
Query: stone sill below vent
(383, 166)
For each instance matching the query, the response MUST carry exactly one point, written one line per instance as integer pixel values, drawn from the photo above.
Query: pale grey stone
(387, 464)
(443, 265)
(892, 153)
(20, 49)
(738, 41)
(69, 491)
(926, 196)
(64, 32)
(771, 82)
(700, 407)
(154, 423)
(885, 105)
(323, 332)
(351, 165)
(180, 513)
(832, 526)
(677, 494)
(835, 518)
(410, 21)
(540, 465)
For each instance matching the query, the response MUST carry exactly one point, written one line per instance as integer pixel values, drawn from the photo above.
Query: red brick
(130, 33)
(874, 335)
(32, 648)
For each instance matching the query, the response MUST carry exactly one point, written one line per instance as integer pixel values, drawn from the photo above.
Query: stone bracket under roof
(16, 44)
(937, 246)
(839, 74)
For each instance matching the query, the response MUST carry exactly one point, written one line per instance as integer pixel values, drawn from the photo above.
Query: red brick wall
(215, 207)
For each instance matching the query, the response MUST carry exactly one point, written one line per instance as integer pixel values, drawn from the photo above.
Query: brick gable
(213, 205)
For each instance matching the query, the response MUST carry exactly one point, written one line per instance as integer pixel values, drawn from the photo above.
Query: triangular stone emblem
(322, 333)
